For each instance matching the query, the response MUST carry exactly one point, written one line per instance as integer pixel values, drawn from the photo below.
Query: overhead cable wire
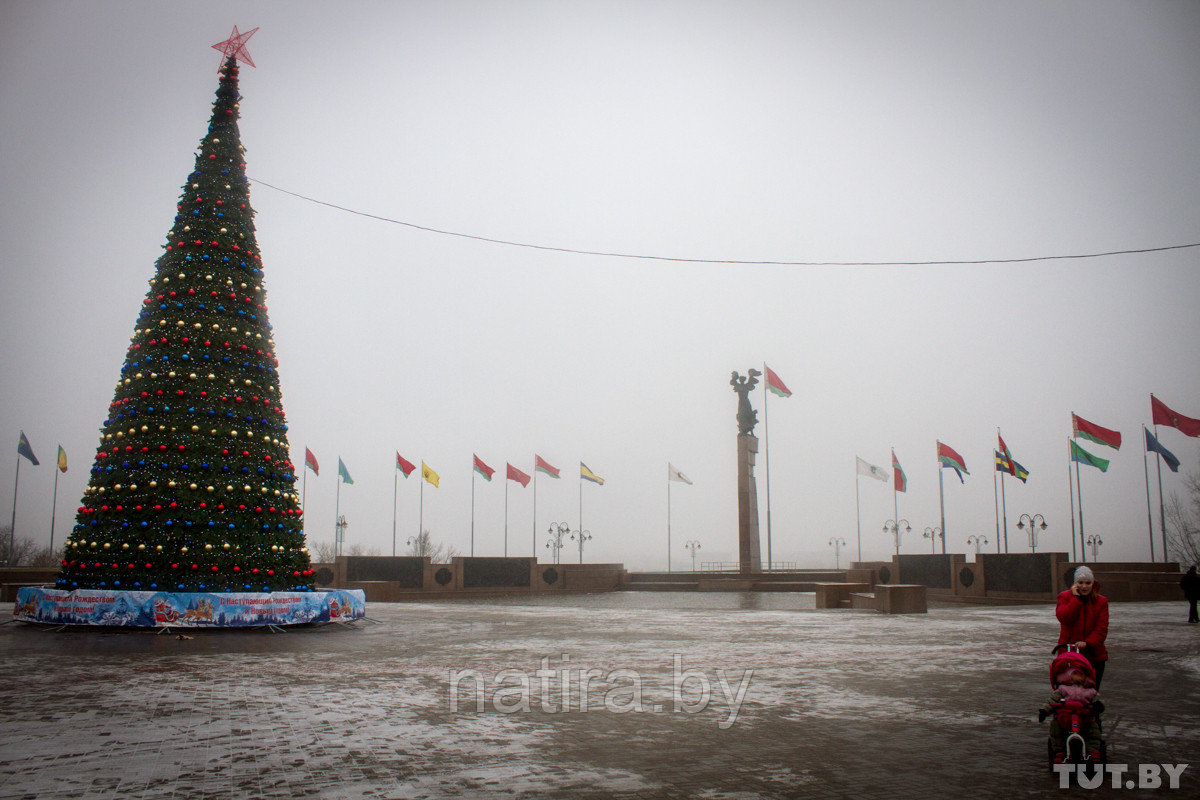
(677, 259)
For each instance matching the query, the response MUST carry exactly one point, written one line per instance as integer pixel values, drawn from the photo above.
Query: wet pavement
(645, 695)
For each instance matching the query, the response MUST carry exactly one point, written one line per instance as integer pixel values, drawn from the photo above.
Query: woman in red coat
(1083, 615)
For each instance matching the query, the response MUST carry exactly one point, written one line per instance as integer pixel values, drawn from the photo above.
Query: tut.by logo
(1091, 776)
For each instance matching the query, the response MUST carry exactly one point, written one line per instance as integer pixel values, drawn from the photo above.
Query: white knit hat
(1084, 574)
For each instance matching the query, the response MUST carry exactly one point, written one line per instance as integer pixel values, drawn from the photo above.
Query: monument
(749, 551)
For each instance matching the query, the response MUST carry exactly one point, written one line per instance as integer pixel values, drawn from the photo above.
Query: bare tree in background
(1183, 521)
(438, 552)
(25, 553)
(322, 552)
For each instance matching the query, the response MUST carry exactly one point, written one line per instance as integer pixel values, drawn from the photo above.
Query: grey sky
(748, 131)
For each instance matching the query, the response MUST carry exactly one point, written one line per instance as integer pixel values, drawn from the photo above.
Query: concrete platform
(838, 705)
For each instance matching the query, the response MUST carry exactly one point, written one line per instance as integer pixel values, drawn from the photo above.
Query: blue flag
(1154, 446)
(23, 449)
(342, 473)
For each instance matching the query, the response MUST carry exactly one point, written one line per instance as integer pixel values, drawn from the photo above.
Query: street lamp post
(340, 535)
(837, 543)
(932, 535)
(557, 531)
(1034, 522)
(893, 526)
(581, 537)
(1094, 542)
(692, 546)
(978, 541)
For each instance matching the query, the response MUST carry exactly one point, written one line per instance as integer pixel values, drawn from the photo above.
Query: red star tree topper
(235, 46)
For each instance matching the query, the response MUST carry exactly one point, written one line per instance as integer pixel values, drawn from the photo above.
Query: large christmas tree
(192, 488)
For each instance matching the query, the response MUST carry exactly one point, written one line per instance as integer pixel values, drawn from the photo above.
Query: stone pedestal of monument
(749, 551)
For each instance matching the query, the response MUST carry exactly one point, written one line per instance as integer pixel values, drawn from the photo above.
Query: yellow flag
(62, 459)
(428, 474)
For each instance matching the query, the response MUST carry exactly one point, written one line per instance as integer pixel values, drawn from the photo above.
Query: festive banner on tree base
(186, 609)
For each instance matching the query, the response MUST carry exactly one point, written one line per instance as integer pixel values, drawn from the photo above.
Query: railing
(735, 566)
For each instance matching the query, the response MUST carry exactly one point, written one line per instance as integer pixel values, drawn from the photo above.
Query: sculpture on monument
(747, 417)
(749, 551)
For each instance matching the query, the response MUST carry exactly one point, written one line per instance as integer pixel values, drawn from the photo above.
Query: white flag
(870, 470)
(675, 475)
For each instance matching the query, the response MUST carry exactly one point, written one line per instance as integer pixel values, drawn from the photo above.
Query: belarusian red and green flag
(949, 457)
(482, 468)
(775, 385)
(900, 483)
(404, 466)
(542, 465)
(310, 461)
(1082, 429)
(1163, 415)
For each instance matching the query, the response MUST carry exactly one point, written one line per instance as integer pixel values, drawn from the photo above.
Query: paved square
(839, 704)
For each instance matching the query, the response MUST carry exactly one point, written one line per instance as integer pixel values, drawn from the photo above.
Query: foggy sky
(816, 132)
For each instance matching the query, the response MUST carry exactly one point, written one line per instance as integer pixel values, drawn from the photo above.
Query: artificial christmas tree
(192, 490)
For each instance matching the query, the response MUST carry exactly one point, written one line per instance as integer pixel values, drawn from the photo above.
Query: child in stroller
(1074, 708)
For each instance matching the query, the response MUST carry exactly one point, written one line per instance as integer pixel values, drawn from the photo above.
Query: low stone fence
(387, 579)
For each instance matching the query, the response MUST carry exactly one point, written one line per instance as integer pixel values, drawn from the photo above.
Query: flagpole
(858, 514)
(53, 509)
(767, 457)
(1149, 513)
(1162, 514)
(12, 531)
(472, 509)
(1079, 495)
(941, 499)
(421, 513)
(581, 508)
(506, 482)
(996, 502)
(535, 472)
(337, 513)
(668, 516)
(304, 489)
(1004, 510)
(1071, 489)
(395, 496)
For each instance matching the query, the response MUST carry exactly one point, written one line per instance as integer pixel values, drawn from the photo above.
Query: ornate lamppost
(1094, 542)
(581, 537)
(692, 546)
(978, 541)
(1033, 528)
(932, 535)
(893, 527)
(557, 531)
(339, 535)
(837, 543)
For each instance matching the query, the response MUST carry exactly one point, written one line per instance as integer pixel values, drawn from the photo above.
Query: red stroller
(1074, 715)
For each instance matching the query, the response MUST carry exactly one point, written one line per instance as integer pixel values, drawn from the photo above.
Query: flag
(1010, 466)
(675, 475)
(587, 475)
(1084, 457)
(23, 449)
(62, 459)
(1153, 446)
(429, 475)
(541, 465)
(1008, 459)
(342, 473)
(949, 457)
(1165, 416)
(310, 461)
(515, 474)
(870, 470)
(774, 384)
(482, 468)
(404, 466)
(900, 479)
(1082, 429)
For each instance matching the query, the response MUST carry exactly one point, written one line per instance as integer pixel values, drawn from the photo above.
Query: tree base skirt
(98, 607)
